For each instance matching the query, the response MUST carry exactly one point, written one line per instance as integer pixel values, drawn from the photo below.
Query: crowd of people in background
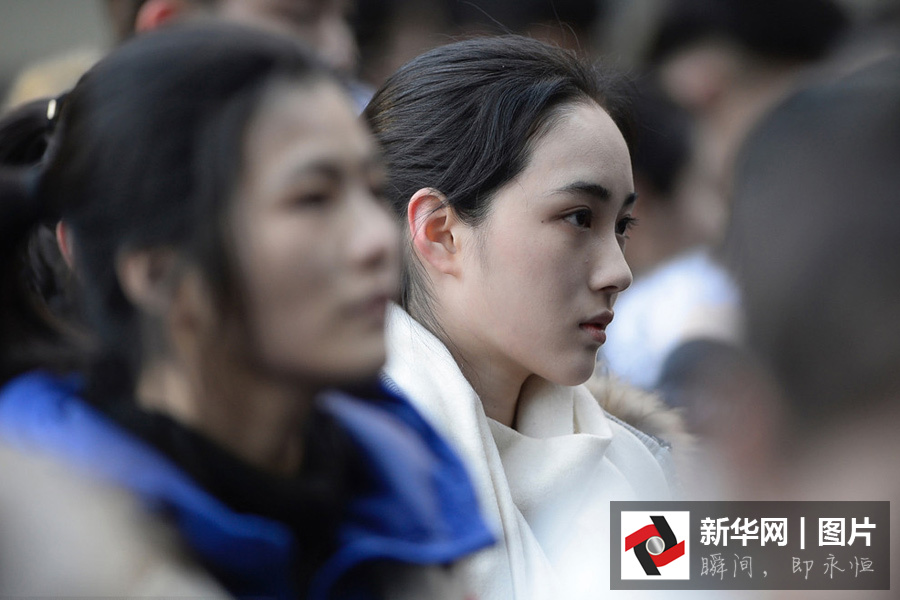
(391, 299)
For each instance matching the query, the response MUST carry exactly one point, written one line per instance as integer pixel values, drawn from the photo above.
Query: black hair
(776, 29)
(38, 321)
(147, 149)
(815, 239)
(463, 118)
(142, 152)
(146, 153)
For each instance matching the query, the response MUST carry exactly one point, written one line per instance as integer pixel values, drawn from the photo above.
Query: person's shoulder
(63, 534)
(414, 505)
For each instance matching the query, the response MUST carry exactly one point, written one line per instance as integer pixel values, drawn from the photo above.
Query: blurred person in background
(730, 401)
(815, 243)
(392, 32)
(725, 62)
(235, 261)
(662, 151)
(661, 308)
(509, 169)
(320, 24)
(733, 409)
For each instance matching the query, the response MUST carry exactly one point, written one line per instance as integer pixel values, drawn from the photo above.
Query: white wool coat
(545, 486)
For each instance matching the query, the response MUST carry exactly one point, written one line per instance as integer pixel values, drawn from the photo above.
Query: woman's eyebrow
(594, 190)
(324, 167)
(331, 168)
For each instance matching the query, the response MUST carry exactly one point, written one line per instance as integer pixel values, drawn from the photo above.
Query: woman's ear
(433, 230)
(64, 241)
(147, 278)
(170, 293)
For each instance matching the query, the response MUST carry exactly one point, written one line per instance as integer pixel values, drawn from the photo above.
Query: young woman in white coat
(509, 168)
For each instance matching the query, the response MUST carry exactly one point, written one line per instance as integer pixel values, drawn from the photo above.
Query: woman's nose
(375, 234)
(611, 273)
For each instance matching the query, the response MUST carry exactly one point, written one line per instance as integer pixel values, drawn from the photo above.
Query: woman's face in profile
(541, 289)
(316, 248)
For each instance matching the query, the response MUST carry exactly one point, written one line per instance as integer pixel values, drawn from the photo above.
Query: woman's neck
(259, 421)
(499, 393)
(496, 379)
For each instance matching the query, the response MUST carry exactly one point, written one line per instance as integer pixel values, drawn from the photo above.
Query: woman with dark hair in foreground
(221, 204)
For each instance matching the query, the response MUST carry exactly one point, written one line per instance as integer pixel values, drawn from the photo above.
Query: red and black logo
(654, 545)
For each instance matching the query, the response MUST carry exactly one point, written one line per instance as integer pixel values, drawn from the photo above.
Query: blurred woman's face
(539, 291)
(317, 252)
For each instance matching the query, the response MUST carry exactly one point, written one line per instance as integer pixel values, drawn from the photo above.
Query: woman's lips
(596, 331)
(375, 307)
(371, 308)
(596, 326)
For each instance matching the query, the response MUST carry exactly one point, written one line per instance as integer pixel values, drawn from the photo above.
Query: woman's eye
(379, 191)
(311, 199)
(625, 224)
(581, 218)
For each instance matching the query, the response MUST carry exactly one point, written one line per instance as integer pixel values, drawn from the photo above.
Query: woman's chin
(368, 362)
(573, 375)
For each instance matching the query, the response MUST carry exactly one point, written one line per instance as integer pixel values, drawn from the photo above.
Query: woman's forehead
(583, 144)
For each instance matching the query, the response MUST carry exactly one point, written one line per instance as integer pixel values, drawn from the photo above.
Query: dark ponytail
(24, 136)
(19, 211)
(35, 286)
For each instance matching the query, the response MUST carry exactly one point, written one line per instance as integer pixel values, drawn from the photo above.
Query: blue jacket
(417, 506)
